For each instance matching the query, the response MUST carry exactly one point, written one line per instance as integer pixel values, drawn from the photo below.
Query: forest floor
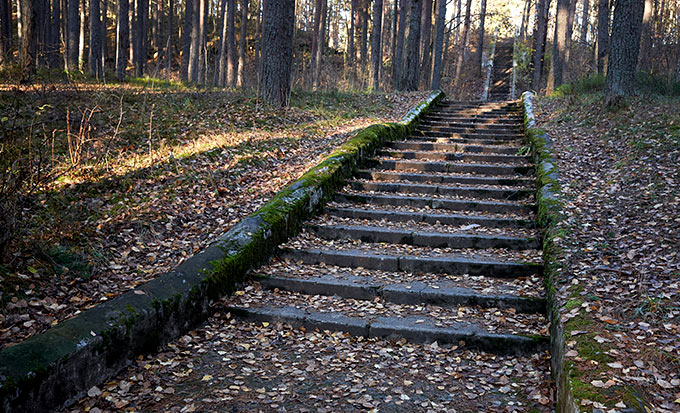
(621, 183)
(147, 175)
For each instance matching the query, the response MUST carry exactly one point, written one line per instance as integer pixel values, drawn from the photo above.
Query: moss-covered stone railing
(549, 216)
(55, 368)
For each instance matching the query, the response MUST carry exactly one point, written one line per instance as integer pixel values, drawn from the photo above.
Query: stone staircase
(501, 75)
(435, 240)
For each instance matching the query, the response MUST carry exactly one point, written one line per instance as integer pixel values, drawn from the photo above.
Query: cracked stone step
(468, 133)
(460, 139)
(449, 147)
(430, 217)
(432, 239)
(451, 156)
(448, 264)
(476, 192)
(450, 167)
(442, 179)
(413, 329)
(445, 294)
(436, 203)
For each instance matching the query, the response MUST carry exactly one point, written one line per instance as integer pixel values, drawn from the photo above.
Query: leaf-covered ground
(621, 282)
(161, 174)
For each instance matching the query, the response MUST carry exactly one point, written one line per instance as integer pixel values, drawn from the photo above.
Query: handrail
(489, 66)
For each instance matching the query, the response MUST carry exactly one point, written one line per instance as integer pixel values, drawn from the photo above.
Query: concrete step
(420, 329)
(445, 264)
(422, 238)
(461, 139)
(471, 125)
(443, 179)
(449, 147)
(462, 191)
(452, 156)
(440, 293)
(502, 131)
(460, 120)
(450, 167)
(469, 134)
(437, 203)
(481, 117)
(430, 217)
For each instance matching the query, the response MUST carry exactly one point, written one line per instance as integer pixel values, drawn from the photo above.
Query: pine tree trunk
(644, 63)
(463, 45)
(315, 41)
(168, 42)
(625, 46)
(363, 40)
(459, 12)
(122, 39)
(186, 40)
(571, 16)
(602, 35)
(438, 59)
(540, 35)
(202, 32)
(28, 40)
(277, 51)
(351, 49)
(319, 47)
(240, 78)
(141, 37)
(560, 44)
(412, 51)
(5, 29)
(231, 43)
(195, 40)
(584, 21)
(81, 35)
(103, 36)
(480, 43)
(525, 19)
(54, 59)
(426, 47)
(398, 59)
(220, 68)
(94, 61)
(376, 44)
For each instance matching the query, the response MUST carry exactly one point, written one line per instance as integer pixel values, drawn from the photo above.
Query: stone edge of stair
(53, 369)
(549, 216)
(409, 328)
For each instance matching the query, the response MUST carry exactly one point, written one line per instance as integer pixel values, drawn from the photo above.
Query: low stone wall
(549, 215)
(54, 369)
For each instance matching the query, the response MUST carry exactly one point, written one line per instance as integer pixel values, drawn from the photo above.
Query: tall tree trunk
(438, 58)
(412, 51)
(231, 43)
(202, 50)
(318, 7)
(141, 37)
(602, 34)
(122, 39)
(194, 51)
(571, 16)
(376, 44)
(186, 40)
(425, 37)
(625, 45)
(363, 40)
(240, 80)
(525, 19)
(258, 40)
(644, 63)
(395, 21)
(585, 21)
(459, 12)
(55, 34)
(81, 36)
(28, 39)
(398, 76)
(319, 47)
(480, 43)
(221, 65)
(5, 29)
(540, 35)
(560, 44)
(351, 47)
(103, 36)
(94, 59)
(277, 51)
(168, 42)
(463, 44)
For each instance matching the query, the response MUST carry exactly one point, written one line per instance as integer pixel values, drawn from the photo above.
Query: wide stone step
(453, 140)
(430, 218)
(477, 112)
(422, 238)
(468, 192)
(443, 179)
(457, 126)
(449, 147)
(501, 132)
(477, 118)
(446, 264)
(467, 133)
(452, 156)
(437, 203)
(413, 293)
(474, 168)
(420, 329)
